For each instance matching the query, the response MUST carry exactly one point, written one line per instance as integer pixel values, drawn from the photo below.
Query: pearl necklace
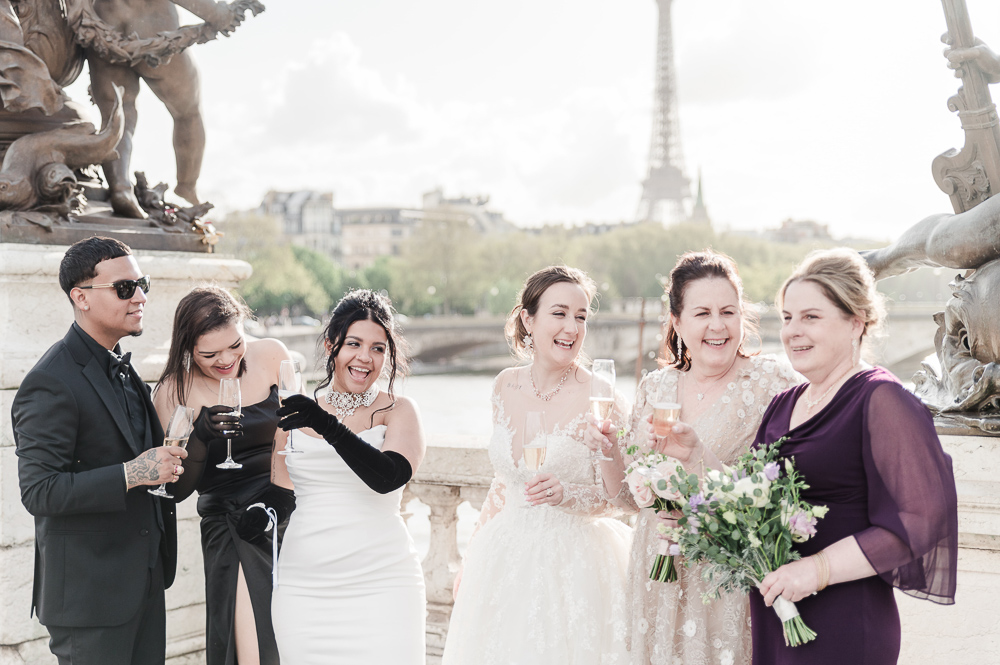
(811, 404)
(552, 393)
(345, 404)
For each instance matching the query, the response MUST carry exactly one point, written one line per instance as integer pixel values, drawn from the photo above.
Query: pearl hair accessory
(345, 404)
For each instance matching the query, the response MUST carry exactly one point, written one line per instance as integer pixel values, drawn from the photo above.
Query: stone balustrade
(448, 477)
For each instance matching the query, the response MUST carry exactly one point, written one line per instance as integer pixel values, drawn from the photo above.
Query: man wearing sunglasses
(88, 441)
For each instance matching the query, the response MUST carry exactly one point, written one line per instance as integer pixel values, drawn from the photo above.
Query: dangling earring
(680, 348)
(187, 361)
(855, 351)
(529, 343)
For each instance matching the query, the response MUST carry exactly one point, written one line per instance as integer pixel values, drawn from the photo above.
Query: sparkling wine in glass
(667, 405)
(289, 383)
(602, 396)
(229, 395)
(534, 445)
(178, 430)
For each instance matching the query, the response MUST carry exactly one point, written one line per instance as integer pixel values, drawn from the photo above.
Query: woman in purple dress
(869, 452)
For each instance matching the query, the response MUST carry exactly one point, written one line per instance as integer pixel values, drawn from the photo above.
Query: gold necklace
(810, 404)
(552, 393)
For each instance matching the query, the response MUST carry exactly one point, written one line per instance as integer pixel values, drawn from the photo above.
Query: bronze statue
(967, 388)
(153, 52)
(38, 168)
(49, 151)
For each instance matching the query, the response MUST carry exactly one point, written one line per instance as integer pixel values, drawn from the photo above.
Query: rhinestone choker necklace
(345, 404)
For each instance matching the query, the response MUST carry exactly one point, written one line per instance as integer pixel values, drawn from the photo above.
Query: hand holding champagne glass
(534, 445)
(667, 405)
(289, 383)
(602, 396)
(178, 430)
(229, 395)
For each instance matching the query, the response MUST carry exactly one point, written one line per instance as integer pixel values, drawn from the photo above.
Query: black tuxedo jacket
(94, 542)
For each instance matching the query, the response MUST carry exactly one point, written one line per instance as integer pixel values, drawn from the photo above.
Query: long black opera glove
(253, 522)
(381, 471)
(214, 423)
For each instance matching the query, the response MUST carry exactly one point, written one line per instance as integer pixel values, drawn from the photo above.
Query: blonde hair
(846, 280)
(531, 293)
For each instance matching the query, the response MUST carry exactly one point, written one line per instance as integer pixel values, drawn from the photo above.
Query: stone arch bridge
(443, 344)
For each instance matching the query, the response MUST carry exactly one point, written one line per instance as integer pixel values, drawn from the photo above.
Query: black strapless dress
(223, 496)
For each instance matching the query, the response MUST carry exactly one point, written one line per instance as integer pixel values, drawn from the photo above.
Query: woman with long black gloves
(350, 585)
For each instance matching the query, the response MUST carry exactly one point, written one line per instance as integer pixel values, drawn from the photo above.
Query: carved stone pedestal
(969, 630)
(34, 314)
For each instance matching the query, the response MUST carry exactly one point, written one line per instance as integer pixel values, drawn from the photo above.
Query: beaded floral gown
(541, 584)
(669, 624)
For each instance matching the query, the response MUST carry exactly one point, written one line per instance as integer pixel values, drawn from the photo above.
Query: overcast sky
(829, 111)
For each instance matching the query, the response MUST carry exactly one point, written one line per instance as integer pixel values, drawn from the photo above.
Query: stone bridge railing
(447, 478)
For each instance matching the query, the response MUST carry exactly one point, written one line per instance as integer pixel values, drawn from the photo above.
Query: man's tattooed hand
(155, 466)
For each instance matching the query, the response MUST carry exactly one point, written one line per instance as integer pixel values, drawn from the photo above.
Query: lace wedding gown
(350, 588)
(669, 623)
(541, 584)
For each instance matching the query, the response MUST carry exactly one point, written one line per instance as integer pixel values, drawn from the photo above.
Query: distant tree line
(448, 268)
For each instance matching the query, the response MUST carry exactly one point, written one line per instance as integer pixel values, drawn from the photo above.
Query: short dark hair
(203, 310)
(80, 261)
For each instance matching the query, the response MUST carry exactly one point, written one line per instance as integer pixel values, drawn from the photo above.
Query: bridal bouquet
(741, 523)
(648, 480)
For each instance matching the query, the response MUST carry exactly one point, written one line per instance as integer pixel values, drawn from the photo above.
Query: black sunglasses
(125, 288)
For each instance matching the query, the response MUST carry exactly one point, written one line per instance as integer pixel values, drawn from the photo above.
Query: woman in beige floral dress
(724, 394)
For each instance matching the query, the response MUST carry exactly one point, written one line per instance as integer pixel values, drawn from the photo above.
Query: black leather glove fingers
(217, 422)
(300, 411)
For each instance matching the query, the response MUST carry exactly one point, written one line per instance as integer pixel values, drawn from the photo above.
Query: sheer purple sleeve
(912, 505)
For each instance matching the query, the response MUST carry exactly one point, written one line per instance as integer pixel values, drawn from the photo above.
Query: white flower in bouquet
(661, 474)
(640, 486)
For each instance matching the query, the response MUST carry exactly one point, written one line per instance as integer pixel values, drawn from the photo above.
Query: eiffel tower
(665, 188)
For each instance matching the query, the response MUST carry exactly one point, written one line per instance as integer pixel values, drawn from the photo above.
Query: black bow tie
(119, 366)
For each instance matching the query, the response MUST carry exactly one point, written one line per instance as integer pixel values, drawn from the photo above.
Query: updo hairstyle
(364, 305)
(846, 281)
(531, 294)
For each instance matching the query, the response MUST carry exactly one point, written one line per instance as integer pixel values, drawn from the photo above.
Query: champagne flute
(229, 395)
(289, 383)
(534, 443)
(602, 396)
(178, 430)
(667, 405)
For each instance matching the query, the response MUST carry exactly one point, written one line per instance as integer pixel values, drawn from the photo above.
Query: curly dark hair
(364, 305)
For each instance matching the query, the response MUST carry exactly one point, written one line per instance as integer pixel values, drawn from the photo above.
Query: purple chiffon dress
(873, 457)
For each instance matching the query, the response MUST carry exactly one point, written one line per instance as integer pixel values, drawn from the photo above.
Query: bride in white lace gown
(724, 397)
(544, 573)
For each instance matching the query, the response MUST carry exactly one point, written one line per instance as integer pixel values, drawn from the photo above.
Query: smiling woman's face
(360, 360)
(217, 353)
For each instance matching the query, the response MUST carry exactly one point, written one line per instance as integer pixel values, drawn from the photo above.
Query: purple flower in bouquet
(803, 526)
(771, 471)
(696, 500)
